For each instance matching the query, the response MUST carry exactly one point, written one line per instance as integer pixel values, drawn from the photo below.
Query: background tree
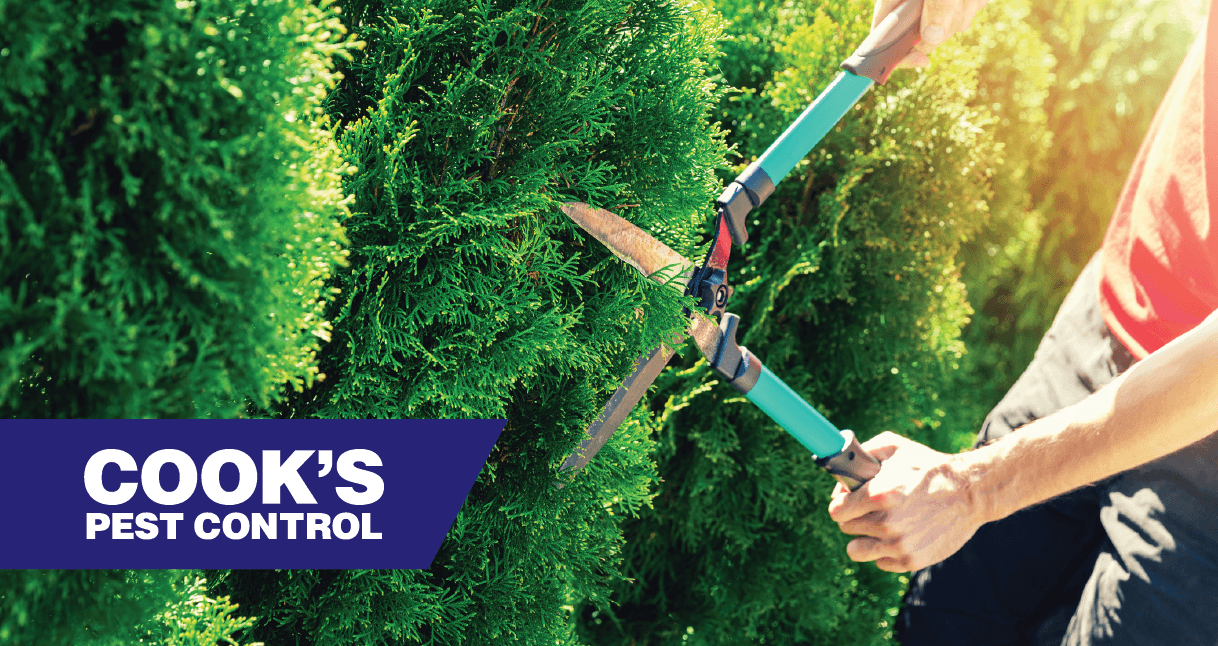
(113, 608)
(1113, 61)
(169, 203)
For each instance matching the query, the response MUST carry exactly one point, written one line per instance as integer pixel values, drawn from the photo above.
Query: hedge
(170, 202)
(470, 294)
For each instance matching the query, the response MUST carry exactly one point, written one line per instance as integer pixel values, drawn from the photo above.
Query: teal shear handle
(887, 45)
(837, 451)
(791, 412)
(873, 61)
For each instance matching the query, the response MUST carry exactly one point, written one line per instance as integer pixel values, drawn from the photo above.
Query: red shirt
(1159, 268)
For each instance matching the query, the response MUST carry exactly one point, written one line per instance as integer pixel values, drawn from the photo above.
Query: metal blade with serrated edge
(653, 259)
(631, 244)
(646, 368)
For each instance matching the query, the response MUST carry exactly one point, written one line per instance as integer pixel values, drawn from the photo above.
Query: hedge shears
(837, 451)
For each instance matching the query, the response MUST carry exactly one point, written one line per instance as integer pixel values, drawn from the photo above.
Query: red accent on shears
(723, 246)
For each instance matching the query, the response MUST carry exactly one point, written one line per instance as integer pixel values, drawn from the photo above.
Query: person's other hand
(914, 513)
(941, 19)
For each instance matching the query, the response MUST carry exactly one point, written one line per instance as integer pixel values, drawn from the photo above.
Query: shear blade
(630, 243)
(655, 260)
(646, 368)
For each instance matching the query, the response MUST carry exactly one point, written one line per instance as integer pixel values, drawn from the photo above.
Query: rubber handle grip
(889, 43)
(853, 465)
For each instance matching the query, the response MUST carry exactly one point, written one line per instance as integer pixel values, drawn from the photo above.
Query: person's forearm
(1163, 403)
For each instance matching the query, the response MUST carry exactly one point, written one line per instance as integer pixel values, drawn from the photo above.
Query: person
(1087, 513)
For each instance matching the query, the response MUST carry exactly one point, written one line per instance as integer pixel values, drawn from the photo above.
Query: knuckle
(886, 500)
(904, 543)
(881, 519)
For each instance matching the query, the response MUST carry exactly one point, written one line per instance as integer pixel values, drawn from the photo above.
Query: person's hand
(941, 19)
(914, 513)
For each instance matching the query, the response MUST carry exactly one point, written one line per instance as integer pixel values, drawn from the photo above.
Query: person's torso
(1159, 277)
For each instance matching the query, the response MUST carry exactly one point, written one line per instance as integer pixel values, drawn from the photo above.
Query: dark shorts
(1130, 560)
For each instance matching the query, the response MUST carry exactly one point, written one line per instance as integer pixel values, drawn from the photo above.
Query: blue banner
(234, 494)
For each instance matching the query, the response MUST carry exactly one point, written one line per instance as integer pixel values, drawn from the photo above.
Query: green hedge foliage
(1015, 77)
(469, 294)
(94, 607)
(113, 608)
(169, 198)
(169, 204)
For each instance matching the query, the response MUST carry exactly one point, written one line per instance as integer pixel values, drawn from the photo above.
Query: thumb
(884, 446)
(882, 9)
(939, 20)
(882, 453)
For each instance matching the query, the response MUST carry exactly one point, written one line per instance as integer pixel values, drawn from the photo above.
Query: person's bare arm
(924, 505)
(941, 19)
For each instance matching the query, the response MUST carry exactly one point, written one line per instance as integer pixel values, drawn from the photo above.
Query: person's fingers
(902, 564)
(863, 549)
(874, 525)
(853, 504)
(914, 59)
(880, 452)
(890, 554)
(941, 19)
(838, 505)
(868, 548)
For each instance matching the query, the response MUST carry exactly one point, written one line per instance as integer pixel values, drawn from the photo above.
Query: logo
(235, 494)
